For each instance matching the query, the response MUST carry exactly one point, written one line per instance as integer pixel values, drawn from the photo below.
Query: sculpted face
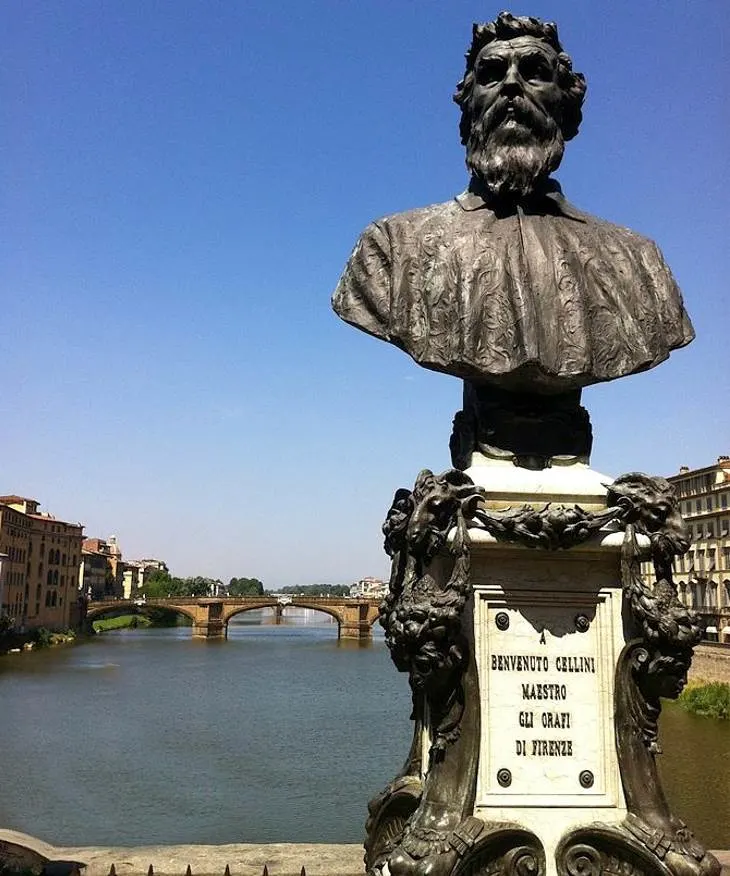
(516, 104)
(516, 82)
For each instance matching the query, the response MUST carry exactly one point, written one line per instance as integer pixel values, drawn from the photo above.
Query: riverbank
(121, 622)
(711, 662)
(153, 617)
(15, 643)
(711, 700)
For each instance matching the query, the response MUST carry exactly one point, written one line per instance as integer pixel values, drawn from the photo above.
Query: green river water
(278, 734)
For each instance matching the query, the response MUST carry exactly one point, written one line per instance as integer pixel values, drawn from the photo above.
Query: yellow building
(42, 569)
(703, 574)
(14, 543)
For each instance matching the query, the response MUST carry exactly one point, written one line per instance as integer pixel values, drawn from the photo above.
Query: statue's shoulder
(611, 232)
(413, 221)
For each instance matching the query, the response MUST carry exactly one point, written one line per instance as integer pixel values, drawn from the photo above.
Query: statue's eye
(491, 71)
(535, 68)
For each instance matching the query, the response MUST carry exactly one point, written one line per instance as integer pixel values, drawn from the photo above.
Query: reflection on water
(695, 770)
(278, 734)
(148, 736)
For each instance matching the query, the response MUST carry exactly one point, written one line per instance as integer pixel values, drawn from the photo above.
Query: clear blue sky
(182, 182)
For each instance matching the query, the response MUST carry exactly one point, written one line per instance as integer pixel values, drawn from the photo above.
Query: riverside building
(101, 575)
(40, 574)
(703, 573)
(369, 587)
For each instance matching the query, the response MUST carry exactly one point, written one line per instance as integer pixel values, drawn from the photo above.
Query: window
(710, 529)
(696, 595)
(712, 594)
(723, 501)
(709, 503)
(698, 506)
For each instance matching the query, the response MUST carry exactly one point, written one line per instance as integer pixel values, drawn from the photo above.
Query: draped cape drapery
(544, 298)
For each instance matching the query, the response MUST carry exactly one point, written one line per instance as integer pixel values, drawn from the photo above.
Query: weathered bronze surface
(527, 299)
(509, 286)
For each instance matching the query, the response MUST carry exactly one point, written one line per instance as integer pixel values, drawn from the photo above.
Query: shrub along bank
(121, 622)
(153, 617)
(709, 700)
(40, 637)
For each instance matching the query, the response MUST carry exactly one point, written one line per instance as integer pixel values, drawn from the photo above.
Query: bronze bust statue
(508, 286)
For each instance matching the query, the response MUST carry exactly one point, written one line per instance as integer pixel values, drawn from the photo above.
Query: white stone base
(546, 687)
(508, 484)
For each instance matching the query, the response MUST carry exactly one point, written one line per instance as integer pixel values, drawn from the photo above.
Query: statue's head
(520, 101)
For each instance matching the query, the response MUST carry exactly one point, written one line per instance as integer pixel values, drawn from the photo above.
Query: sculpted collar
(547, 200)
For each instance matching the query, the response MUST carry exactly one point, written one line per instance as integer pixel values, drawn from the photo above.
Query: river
(279, 734)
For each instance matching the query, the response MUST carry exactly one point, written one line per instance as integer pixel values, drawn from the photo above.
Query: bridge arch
(143, 609)
(278, 605)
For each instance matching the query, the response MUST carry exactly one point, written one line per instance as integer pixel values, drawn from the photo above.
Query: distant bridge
(210, 615)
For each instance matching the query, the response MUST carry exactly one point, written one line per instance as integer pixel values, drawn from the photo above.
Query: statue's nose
(511, 84)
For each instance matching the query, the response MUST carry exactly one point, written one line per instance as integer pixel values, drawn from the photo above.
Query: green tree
(245, 587)
(162, 584)
(318, 590)
(157, 585)
(198, 586)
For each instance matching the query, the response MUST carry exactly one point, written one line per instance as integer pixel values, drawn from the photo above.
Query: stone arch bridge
(210, 615)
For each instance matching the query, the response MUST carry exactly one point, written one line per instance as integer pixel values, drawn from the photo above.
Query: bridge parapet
(211, 615)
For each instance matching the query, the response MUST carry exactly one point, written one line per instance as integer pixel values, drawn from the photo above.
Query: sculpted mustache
(524, 111)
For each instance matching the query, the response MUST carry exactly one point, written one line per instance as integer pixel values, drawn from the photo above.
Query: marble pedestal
(515, 603)
(547, 632)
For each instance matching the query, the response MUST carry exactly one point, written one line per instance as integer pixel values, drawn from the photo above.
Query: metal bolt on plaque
(504, 777)
(582, 624)
(502, 620)
(586, 779)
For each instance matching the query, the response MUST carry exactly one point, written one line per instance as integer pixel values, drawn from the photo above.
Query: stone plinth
(547, 634)
(537, 654)
(547, 631)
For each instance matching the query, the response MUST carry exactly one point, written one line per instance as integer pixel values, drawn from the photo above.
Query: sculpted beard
(512, 153)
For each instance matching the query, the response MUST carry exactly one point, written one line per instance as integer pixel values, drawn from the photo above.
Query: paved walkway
(281, 859)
